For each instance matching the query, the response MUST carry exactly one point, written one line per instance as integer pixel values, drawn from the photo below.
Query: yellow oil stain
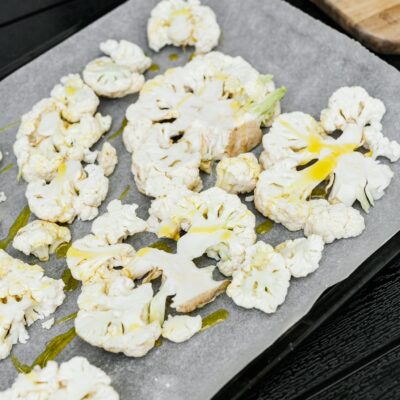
(70, 283)
(264, 227)
(154, 68)
(160, 245)
(119, 131)
(6, 168)
(125, 192)
(67, 318)
(143, 251)
(214, 318)
(21, 220)
(173, 57)
(62, 249)
(169, 231)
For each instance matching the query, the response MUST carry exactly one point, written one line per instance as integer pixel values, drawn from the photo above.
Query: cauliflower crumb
(249, 198)
(107, 158)
(180, 328)
(48, 324)
(3, 197)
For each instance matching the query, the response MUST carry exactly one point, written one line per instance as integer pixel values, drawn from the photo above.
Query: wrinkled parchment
(310, 59)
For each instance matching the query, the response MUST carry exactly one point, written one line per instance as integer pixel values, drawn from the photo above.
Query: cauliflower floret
(211, 108)
(92, 259)
(45, 140)
(3, 197)
(107, 158)
(118, 223)
(333, 221)
(262, 281)
(41, 238)
(217, 223)
(116, 317)
(380, 145)
(75, 379)
(26, 295)
(180, 328)
(183, 23)
(302, 256)
(48, 324)
(78, 98)
(238, 174)
(74, 192)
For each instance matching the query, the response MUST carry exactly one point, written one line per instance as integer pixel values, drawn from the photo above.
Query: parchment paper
(310, 59)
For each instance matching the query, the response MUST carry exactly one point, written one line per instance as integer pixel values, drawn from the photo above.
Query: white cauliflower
(121, 73)
(45, 140)
(302, 256)
(107, 158)
(115, 316)
(262, 281)
(41, 238)
(3, 197)
(48, 323)
(74, 192)
(118, 223)
(75, 379)
(211, 108)
(92, 259)
(238, 174)
(183, 23)
(180, 328)
(78, 98)
(26, 295)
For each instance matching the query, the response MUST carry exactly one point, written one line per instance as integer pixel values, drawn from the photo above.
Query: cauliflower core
(41, 238)
(75, 379)
(180, 328)
(119, 74)
(211, 108)
(26, 295)
(183, 23)
(238, 174)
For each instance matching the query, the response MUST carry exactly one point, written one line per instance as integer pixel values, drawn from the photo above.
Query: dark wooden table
(356, 353)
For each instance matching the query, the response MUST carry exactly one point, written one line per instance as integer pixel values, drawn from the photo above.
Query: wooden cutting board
(376, 23)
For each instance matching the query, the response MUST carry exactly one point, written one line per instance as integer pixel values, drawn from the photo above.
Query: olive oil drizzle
(160, 245)
(9, 126)
(6, 168)
(69, 281)
(67, 318)
(19, 222)
(125, 192)
(61, 250)
(264, 227)
(173, 57)
(120, 130)
(214, 318)
(154, 68)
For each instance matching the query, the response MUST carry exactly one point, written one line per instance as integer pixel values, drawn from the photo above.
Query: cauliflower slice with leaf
(41, 238)
(262, 281)
(180, 328)
(183, 23)
(238, 174)
(302, 256)
(107, 158)
(184, 119)
(75, 379)
(26, 295)
(115, 316)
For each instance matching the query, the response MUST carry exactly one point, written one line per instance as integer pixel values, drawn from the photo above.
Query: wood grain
(376, 23)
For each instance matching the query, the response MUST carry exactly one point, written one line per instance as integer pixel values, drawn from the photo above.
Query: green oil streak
(125, 192)
(9, 126)
(264, 227)
(160, 245)
(70, 282)
(6, 168)
(173, 57)
(154, 68)
(20, 222)
(215, 318)
(67, 318)
(61, 250)
(53, 348)
(119, 131)
(158, 342)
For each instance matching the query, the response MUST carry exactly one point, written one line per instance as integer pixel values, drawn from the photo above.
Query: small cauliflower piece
(3, 197)
(26, 295)
(48, 324)
(262, 281)
(119, 222)
(41, 238)
(183, 23)
(115, 316)
(75, 379)
(302, 256)
(238, 174)
(107, 158)
(180, 328)
(78, 98)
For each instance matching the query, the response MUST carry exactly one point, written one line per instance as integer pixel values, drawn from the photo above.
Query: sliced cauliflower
(211, 108)
(115, 316)
(238, 174)
(45, 140)
(302, 256)
(217, 223)
(41, 238)
(74, 192)
(78, 98)
(262, 281)
(26, 295)
(107, 158)
(92, 259)
(75, 379)
(183, 23)
(180, 328)
(118, 223)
